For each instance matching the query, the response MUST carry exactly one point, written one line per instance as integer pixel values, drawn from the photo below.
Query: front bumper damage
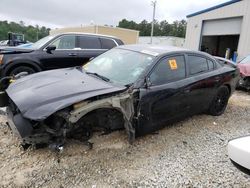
(25, 131)
(20, 126)
(32, 132)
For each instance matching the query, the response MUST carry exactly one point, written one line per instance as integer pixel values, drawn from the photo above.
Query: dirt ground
(191, 153)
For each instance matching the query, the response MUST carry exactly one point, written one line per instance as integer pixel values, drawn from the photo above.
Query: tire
(240, 82)
(219, 102)
(20, 69)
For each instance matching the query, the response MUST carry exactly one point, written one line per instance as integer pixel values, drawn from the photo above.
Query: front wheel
(219, 102)
(20, 69)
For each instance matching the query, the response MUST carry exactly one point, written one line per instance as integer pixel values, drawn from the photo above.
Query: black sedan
(139, 88)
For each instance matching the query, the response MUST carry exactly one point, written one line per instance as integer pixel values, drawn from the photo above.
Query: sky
(68, 13)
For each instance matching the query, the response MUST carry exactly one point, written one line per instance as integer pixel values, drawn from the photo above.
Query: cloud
(58, 13)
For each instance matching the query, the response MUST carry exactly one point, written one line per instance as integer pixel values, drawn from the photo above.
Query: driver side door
(162, 101)
(65, 54)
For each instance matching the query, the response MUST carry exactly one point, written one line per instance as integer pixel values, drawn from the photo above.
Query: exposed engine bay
(78, 121)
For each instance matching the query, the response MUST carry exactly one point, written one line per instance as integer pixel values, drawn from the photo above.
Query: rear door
(88, 47)
(200, 86)
(65, 54)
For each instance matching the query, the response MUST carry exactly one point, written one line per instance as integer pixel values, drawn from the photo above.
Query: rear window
(197, 64)
(107, 43)
(88, 42)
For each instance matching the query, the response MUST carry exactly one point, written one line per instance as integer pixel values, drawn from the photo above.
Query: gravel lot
(191, 153)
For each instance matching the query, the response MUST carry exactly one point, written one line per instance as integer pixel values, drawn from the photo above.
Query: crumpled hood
(39, 95)
(244, 69)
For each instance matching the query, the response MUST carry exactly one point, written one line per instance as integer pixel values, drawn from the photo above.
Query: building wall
(73, 29)
(169, 41)
(242, 8)
(128, 36)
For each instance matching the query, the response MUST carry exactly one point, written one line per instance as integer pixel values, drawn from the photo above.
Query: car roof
(157, 50)
(88, 34)
(154, 50)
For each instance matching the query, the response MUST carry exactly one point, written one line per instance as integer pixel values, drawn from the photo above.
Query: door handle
(72, 54)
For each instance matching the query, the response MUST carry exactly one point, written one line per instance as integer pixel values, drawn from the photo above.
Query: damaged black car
(139, 88)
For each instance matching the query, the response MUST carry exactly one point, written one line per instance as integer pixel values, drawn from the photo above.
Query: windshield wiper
(99, 76)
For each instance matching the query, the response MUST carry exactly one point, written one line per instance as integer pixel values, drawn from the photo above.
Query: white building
(220, 27)
(161, 40)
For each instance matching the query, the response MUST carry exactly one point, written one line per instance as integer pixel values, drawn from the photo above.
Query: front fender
(122, 103)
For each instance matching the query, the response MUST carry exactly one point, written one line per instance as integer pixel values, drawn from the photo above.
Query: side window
(88, 42)
(169, 69)
(197, 64)
(107, 43)
(210, 64)
(65, 42)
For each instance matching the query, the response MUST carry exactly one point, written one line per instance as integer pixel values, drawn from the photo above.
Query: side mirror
(50, 48)
(147, 82)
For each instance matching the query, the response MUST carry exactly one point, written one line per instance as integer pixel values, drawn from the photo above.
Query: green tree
(30, 32)
(143, 27)
(163, 28)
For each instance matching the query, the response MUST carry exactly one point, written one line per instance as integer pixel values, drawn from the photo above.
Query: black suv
(55, 51)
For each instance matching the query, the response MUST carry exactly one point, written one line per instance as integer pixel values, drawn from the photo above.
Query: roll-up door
(229, 26)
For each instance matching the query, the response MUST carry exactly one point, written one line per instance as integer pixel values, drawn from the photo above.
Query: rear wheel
(20, 69)
(219, 102)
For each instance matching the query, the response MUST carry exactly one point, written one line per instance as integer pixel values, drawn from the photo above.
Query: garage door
(230, 26)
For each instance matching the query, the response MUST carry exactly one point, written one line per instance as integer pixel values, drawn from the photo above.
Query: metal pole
(153, 3)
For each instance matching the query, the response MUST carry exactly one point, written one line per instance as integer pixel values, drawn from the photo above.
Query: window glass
(107, 43)
(87, 42)
(210, 64)
(120, 66)
(197, 64)
(168, 69)
(42, 42)
(65, 42)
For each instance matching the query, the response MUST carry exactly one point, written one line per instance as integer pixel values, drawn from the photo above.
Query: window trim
(76, 40)
(110, 39)
(166, 57)
(212, 62)
(116, 44)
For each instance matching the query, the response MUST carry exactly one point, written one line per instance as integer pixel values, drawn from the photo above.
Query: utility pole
(153, 3)
(37, 35)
